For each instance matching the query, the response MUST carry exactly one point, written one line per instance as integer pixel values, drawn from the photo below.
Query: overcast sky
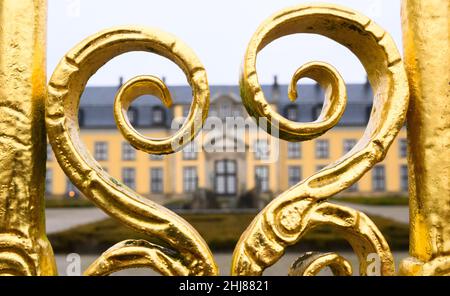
(217, 31)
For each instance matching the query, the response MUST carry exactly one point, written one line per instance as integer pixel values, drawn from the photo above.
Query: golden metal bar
(426, 45)
(24, 248)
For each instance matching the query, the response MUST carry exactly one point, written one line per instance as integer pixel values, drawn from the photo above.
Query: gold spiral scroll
(288, 217)
(186, 247)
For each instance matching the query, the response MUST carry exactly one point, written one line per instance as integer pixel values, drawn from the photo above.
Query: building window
(212, 113)
(403, 147)
(292, 113)
(225, 177)
(101, 151)
(348, 145)
(262, 178)
(186, 109)
(71, 190)
(294, 150)
(81, 118)
(49, 181)
(316, 111)
(190, 151)
(379, 178)
(133, 115)
(49, 153)
(156, 175)
(368, 112)
(156, 157)
(295, 175)
(404, 178)
(190, 179)
(129, 177)
(128, 152)
(261, 149)
(322, 149)
(353, 188)
(225, 110)
(157, 115)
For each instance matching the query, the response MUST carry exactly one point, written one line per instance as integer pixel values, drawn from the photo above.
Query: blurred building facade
(223, 160)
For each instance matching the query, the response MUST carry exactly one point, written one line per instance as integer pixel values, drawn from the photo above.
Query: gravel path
(63, 219)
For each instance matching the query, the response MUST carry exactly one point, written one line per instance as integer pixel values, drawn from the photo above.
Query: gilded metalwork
(311, 264)
(187, 252)
(426, 26)
(151, 85)
(24, 248)
(137, 254)
(285, 220)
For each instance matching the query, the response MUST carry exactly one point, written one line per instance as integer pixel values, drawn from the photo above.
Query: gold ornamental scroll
(426, 28)
(183, 251)
(24, 248)
(303, 207)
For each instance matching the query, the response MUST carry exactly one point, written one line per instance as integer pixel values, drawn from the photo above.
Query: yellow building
(227, 159)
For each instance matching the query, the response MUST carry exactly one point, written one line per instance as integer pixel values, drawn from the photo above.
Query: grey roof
(97, 103)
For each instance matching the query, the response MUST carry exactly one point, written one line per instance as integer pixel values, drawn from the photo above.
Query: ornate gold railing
(25, 104)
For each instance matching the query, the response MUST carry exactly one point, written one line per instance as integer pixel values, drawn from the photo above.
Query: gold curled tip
(129, 92)
(137, 254)
(323, 73)
(335, 92)
(140, 86)
(311, 263)
(335, 102)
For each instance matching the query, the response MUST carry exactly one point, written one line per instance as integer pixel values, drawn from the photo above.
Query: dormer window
(292, 113)
(81, 118)
(225, 110)
(317, 109)
(368, 112)
(186, 110)
(236, 112)
(213, 112)
(157, 115)
(132, 115)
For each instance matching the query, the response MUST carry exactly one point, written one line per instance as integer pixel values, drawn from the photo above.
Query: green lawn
(374, 200)
(65, 202)
(221, 232)
(178, 203)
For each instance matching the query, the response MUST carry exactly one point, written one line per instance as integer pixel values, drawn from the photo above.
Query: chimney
(317, 86)
(367, 83)
(120, 81)
(275, 89)
(275, 82)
